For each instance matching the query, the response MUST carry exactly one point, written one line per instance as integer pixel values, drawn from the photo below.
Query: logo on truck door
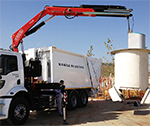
(71, 65)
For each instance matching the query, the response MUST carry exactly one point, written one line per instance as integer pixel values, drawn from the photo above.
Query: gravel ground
(96, 113)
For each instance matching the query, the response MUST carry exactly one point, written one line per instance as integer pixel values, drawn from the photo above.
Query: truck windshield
(8, 64)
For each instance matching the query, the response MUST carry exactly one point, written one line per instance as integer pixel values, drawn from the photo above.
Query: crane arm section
(68, 12)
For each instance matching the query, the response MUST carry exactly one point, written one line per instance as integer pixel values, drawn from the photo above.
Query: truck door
(9, 72)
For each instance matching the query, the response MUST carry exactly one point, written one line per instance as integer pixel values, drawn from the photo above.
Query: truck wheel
(19, 111)
(73, 101)
(83, 100)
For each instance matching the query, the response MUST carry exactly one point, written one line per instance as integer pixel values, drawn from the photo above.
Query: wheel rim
(74, 101)
(20, 112)
(83, 98)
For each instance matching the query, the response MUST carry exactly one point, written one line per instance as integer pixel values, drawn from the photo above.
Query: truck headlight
(2, 82)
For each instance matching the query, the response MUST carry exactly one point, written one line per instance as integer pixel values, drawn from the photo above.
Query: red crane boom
(70, 13)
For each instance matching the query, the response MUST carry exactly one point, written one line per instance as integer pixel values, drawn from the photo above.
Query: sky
(74, 35)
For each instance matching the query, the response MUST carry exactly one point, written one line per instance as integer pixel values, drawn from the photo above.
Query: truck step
(2, 104)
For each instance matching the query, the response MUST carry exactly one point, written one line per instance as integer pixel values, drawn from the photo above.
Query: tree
(89, 52)
(108, 60)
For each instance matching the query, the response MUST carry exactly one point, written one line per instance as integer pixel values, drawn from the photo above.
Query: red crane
(69, 12)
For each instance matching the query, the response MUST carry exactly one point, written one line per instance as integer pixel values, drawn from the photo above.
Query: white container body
(136, 40)
(70, 67)
(131, 69)
(78, 71)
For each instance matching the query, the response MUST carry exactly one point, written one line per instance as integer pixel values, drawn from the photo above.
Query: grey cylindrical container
(136, 40)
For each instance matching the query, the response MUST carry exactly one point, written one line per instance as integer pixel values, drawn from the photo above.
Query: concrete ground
(96, 113)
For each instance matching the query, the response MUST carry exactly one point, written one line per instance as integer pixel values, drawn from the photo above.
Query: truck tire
(83, 99)
(19, 111)
(73, 101)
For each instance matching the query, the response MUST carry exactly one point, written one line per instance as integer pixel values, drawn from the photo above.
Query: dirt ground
(96, 113)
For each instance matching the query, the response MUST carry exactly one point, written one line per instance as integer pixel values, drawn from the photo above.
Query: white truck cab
(12, 79)
(28, 84)
(12, 72)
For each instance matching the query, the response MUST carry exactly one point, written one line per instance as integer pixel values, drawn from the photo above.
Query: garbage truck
(28, 79)
(47, 66)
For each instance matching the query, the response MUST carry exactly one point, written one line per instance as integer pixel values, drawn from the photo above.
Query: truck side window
(10, 64)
